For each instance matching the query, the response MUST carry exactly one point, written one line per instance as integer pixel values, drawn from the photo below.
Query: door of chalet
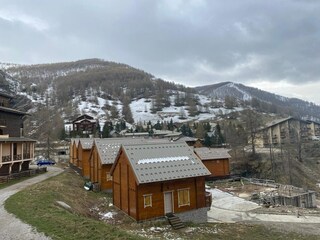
(168, 205)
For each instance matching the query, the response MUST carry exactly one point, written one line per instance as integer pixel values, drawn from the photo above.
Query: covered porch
(15, 155)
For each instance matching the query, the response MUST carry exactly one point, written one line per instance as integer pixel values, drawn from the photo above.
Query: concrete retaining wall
(196, 216)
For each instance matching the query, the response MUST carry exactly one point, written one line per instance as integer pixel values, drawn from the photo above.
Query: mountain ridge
(104, 89)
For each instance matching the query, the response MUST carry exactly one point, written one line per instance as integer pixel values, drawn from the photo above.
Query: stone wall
(197, 215)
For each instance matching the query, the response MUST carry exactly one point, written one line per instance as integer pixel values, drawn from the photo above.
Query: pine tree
(207, 141)
(200, 132)
(170, 125)
(126, 112)
(106, 130)
(114, 111)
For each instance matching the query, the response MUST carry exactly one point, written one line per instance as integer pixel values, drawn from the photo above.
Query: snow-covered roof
(164, 162)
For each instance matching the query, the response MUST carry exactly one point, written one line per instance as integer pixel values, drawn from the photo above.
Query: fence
(28, 173)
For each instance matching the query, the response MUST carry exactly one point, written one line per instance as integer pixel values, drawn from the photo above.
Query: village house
(84, 125)
(16, 151)
(153, 180)
(216, 161)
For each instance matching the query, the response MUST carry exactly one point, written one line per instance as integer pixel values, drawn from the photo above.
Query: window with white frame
(147, 200)
(184, 197)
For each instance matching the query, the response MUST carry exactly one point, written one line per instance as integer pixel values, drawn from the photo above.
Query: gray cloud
(194, 42)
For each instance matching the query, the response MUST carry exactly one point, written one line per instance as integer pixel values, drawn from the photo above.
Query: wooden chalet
(16, 151)
(80, 149)
(102, 156)
(152, 180)
(74, 151)
(85, 125)
(216, 160)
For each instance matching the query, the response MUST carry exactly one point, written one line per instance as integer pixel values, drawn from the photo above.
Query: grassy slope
(37, 206)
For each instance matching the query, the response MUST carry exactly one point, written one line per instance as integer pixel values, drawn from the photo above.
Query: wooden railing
(16, 157)
(6, 158)
(28, 173)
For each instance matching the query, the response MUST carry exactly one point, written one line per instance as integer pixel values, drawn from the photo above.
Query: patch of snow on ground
(141, 111)
(108, 215)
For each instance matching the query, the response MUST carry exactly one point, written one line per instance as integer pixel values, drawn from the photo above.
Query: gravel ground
(13, 228)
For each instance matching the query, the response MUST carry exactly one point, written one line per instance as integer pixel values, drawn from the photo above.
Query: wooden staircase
(175, 221)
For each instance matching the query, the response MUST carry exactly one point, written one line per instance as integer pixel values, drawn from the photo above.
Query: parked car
(45, 162)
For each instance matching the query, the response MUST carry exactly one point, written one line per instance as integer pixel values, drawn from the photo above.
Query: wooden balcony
(6, 158)
(9, 158)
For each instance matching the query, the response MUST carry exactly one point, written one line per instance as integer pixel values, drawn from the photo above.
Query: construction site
(275, 194)
(266, 196)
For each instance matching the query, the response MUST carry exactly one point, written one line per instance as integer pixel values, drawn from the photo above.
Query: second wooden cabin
(216, 160)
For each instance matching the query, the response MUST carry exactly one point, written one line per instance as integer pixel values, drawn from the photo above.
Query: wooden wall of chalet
(73, 153)
(94, 165)
(80, 157)
(128, 196)
(83, 161)
(14, 123)
(105, 183)
(218, 168)
(96, 171)
(85, 164)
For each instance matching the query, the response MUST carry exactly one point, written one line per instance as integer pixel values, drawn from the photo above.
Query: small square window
(184, 197)
(108, 177)
(147, 200)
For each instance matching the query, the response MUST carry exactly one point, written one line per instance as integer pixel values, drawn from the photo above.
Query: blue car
(45, 162)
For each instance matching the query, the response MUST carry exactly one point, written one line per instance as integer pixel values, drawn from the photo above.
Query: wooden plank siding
(129, 196)
(84, 164)
(94, 165)
(97, 172)
(73, 152)
(218, 168)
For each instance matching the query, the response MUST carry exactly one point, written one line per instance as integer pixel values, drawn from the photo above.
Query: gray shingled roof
(164, 162)
(86, 143)
(108, 148)
(74, 141)
(205, 153)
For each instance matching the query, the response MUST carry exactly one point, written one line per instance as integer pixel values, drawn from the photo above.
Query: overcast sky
(273, 45)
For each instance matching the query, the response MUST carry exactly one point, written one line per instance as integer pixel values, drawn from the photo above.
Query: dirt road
(12, 228)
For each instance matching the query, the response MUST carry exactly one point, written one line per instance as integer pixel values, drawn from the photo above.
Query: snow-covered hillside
(141, 110)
